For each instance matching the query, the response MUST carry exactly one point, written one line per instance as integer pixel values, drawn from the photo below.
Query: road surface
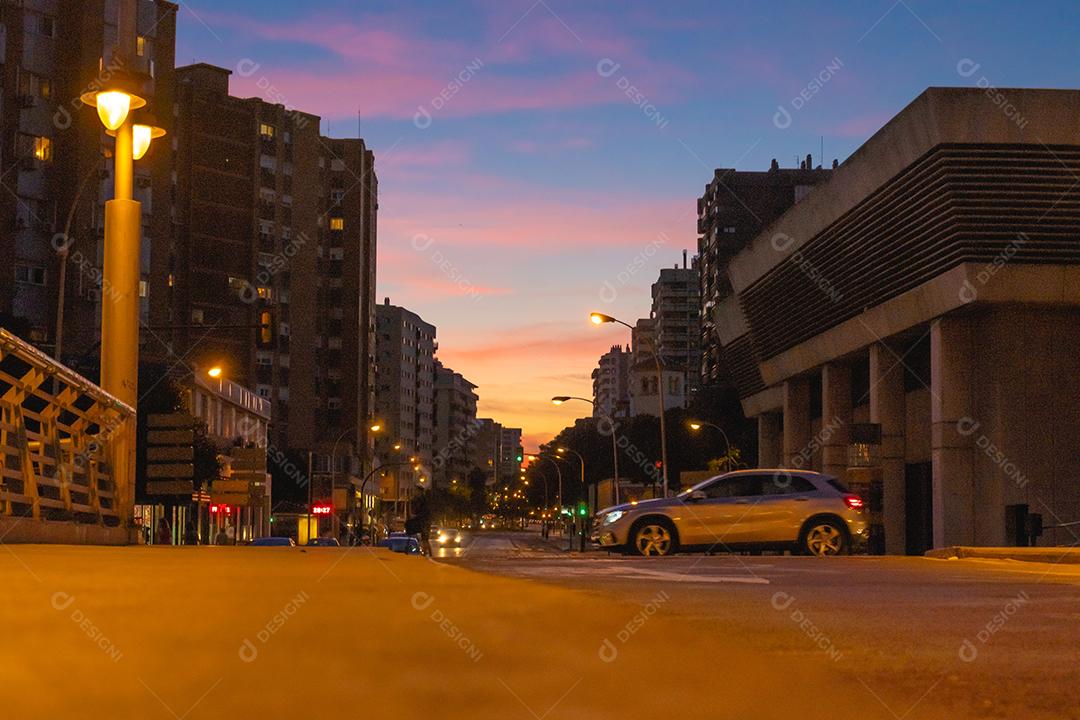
(999, 638)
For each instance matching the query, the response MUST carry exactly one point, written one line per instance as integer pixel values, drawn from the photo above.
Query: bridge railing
(55, 433)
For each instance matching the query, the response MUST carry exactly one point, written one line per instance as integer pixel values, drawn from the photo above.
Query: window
(267, 131)
(783, 484)
(47, 25)
(32, 85)
(43, 149)
(337, 223)
(144, 289)
(738, 486)
(197, 317)
(140, 46)
(30, 274)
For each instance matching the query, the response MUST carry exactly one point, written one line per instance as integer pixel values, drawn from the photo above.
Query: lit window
(197, 317)
(267, 131)
(337, 223)
(266, 293)
(172, 280)
(43, 149)
(144, 289)
(140, 46)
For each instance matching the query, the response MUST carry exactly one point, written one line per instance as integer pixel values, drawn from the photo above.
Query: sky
(541, 159)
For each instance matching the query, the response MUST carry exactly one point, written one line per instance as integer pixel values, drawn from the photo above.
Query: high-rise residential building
(510, 450)
(484, 449)
(53, 166)
(736, 206)
(272, 221)
(672, 331)
(676, 315)
(404, 392)
(454, 428)
(611, 384)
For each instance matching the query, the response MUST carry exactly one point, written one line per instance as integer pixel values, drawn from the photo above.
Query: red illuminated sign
(321, 510)
(222, 509)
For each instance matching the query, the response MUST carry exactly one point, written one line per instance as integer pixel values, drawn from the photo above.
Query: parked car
(447, 537)
(273, 542)
(743, 510)
(323, 542)
(402, 543)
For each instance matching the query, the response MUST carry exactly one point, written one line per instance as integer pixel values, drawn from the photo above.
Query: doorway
(919, 507)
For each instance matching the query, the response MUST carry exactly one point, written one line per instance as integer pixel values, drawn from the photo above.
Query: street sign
(170, 454)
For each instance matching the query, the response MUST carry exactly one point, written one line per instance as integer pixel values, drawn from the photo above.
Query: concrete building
(676, 315)
(53, 168)
(511, 454)
(611, 384)
(454, 426)
(484, 449)
(405, 392)
(274, 221)
(736, 206)
(910, 325)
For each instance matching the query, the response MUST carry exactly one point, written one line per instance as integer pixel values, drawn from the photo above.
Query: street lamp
(560, 399)
(599, 319)
(215, 372)
(114, 101)
(696, 425)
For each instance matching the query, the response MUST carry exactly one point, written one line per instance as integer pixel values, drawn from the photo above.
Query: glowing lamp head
(141, 137)
(559, 399)
(695, 426)
(214, 372)
(113, 107)
(375, 427)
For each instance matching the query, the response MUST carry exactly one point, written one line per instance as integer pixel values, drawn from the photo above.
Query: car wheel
(653, 537)
(824, 538)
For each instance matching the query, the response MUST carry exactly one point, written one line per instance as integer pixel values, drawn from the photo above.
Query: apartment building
(454, 426)
(611, 384)
(736, 206)
(405, 392)
(54, 167)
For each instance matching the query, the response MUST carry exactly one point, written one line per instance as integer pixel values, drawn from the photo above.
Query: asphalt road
(998, 639)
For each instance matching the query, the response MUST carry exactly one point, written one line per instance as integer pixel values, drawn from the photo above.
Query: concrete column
(797, 423)
(835, 418)
(888, 409)
(770, 440)
(951, 385)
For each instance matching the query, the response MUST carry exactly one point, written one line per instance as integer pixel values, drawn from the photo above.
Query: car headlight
(613, 516)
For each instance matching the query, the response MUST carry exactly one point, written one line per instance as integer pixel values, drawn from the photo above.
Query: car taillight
(854, 502)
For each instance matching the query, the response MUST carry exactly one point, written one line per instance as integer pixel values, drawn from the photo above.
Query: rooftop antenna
(822, 156)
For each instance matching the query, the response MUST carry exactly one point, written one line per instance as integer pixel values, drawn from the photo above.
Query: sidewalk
(1054, 555)
(241, 632)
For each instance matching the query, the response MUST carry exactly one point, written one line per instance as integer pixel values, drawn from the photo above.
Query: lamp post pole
(120, 283)
(599, 319)
(614, 441)
(727, 442)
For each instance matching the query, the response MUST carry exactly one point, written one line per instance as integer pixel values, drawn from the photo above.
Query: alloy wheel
(824, 539)
(653, 539)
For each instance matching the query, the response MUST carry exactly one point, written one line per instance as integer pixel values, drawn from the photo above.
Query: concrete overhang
(937, 116)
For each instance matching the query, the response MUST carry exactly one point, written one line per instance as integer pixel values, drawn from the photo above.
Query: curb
(1064, 555)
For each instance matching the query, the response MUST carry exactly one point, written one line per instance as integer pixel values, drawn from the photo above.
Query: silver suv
(747, 509)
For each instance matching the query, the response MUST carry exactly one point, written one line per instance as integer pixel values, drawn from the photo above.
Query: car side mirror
(698, 495)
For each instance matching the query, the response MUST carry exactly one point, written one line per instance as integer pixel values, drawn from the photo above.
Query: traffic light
(582, 509)
(266, 334)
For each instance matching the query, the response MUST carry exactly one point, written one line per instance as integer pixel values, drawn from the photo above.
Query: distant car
(447, 537)
(273, 542)
(399, 543)
(743, 510)
(323, 542)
